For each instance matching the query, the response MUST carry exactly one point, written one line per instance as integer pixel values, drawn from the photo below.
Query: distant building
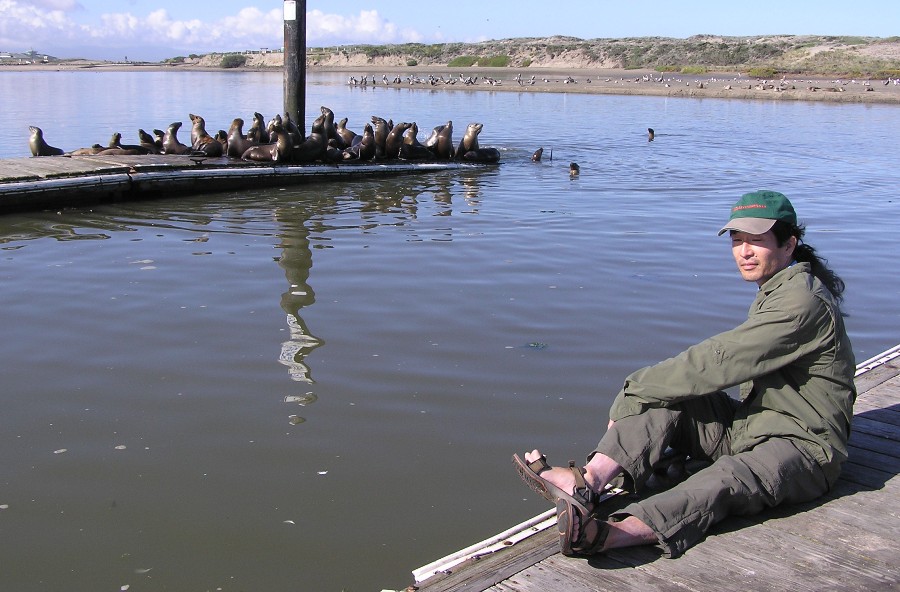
(21, 59)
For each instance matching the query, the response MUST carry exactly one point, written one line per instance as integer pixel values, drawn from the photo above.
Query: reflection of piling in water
(296, 261)
(294, 350)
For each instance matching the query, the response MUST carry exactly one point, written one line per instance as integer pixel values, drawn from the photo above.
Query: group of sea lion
(282, 141)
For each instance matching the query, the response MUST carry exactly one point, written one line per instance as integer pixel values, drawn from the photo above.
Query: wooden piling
(295, 61)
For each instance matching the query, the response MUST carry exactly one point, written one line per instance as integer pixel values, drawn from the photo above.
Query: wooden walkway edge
(848, 540)
(64, 181)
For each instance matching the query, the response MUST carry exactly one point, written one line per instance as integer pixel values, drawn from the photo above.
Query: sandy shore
(721, 85)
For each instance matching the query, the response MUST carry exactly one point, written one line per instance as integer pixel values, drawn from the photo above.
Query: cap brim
(749, 225)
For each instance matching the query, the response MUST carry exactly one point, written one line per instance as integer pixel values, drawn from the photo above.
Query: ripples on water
(250, 388)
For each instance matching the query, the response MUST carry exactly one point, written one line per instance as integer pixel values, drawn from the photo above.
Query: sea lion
(170, 143)
(38, 146)
(470, 151)
(292, 129)
(149, 142)
(536, 157)
(257, 131)
(486, 155)
(334, 139)
(381, 129)
(90, 151)
(271, 126)
(278, 151)
(314, 146)
(349, 136)
(333, 155)
(201, 141)
(365, 148)
(411, 148)
(222, 138)
(394, 140)
(469, 141)
(440, 142)
(120, 152)
(116, 145)
(238, 143)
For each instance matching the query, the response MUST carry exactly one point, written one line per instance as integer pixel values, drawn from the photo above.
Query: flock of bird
(668, 81)
(281, 140)
(430, 80)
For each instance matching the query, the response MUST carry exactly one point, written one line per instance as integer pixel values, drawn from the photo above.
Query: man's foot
(556, 483)
(579, 533)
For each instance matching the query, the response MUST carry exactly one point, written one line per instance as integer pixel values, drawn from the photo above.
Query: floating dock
(45, 182)
(848, 540)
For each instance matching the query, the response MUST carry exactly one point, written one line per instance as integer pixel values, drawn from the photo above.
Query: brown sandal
(568, 516)
(584, 498)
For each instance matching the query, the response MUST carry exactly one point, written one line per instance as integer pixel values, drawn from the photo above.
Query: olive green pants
(743, 483)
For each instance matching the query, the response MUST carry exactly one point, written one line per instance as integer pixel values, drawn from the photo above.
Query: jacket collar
(784, 276)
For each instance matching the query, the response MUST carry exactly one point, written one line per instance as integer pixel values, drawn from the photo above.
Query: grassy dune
(761, 55)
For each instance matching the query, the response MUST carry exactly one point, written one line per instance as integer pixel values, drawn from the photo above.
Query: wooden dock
(849, 540)
(35, 183)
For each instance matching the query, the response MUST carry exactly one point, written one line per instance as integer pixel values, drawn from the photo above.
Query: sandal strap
(583, 493)
(596, 545)
(539, 465)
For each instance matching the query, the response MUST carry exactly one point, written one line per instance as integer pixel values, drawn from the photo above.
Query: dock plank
(865, 453)
(874, 377)
(557, 573)
(847, 540)
(48, 167)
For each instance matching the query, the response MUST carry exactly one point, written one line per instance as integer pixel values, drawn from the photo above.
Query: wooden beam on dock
(847, 540)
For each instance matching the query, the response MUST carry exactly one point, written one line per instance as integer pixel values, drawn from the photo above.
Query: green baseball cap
(757, 212)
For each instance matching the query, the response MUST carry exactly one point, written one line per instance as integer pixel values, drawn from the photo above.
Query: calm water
(320, 387)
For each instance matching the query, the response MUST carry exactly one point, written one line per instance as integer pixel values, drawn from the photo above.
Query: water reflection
(49, 226)
(397, 198)
(305, 219)
(379, 204)
(296, 261)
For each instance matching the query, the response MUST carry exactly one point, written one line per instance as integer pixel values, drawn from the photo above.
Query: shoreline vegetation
(784, 67)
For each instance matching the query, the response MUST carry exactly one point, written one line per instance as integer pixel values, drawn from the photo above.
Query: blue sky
(156, 29)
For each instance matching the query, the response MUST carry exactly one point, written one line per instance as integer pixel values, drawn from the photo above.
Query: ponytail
(804, 253)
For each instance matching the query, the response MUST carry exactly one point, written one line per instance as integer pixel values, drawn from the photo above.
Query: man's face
(758, 256)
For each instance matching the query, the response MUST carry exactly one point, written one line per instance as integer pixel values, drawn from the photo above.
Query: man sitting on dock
(783, 441)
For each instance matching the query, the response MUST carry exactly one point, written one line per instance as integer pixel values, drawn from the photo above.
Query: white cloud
(64, 5)
(23, 20)
(45, 25)
(366, 27)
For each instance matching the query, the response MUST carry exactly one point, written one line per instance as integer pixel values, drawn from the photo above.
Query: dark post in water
(295, 61)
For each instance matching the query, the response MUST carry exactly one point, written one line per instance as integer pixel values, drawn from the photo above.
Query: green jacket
(793, 360)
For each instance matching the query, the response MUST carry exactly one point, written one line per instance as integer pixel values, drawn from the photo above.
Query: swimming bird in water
(574, 169)
(650, 134)
(536, 157)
